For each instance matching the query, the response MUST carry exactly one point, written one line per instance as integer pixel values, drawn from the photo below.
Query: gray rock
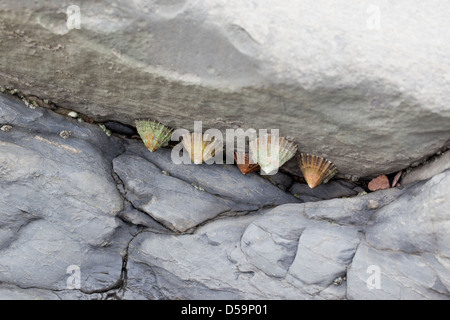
(182, 265)
(353, 211)
(323, 254)
(253, 257)
(41, 121)
(414, 276)
(330, 190)
(392, 228)
(239, 64)
(9, 292)
(304, 248)
(58, 203)
(140, 218)
(412, 234)
(281, 180)
(174, 203)
(224, 180)
(428, 170)
(63, 203)
(270, 243)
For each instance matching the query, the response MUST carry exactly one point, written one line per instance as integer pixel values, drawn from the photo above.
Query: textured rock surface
(140, 227)
(58, 202)
(225, 181)
(307, 250)
(175, 203)
(330, 190)
(428, 170)
(408, 241)
(340, 77)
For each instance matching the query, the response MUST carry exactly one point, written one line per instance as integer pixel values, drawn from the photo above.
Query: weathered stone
(140, 218)
(270, 243)
(174, 203)
(182, 264)
(412, 277)
(353, 211)
(10, 292)
(223, 180)
(428, 170)
(41, 122)
(330, 190)
(417, 221)
(61, 205)
(321, 73)
(379, 183)
(323, 254)
(407, 242)
(58, 203)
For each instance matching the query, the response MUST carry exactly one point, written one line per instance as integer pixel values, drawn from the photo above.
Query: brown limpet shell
(316, 170)
(245, 166)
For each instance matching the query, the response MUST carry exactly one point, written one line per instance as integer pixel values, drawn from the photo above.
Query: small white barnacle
(197, 187)
(6, 128)
(106, 130)
(65, 134)
(338, 281)
(73, 114)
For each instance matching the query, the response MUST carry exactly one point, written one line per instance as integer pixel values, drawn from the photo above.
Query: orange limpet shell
(245, 167)
(316, 170)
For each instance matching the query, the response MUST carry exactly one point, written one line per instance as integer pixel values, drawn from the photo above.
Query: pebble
(379, 183)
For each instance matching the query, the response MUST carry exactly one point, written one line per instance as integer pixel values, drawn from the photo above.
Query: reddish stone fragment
(379, 183)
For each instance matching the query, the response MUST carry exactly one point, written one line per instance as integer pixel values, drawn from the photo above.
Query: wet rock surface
(140, 227)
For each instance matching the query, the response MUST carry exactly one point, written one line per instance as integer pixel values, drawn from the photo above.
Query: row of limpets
(316, 170)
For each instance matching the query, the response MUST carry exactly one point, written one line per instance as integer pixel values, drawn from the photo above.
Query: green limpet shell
(154, 134)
